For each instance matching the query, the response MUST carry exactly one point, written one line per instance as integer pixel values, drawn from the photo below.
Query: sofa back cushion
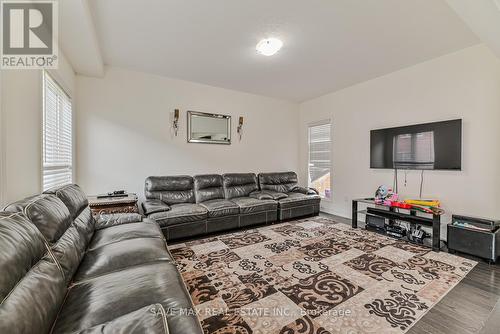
(32, 286)
(76, 201)
(67, 238)
(47, 212)
(170, 189)
(239, 184)
(70, 248)
(281, 182)
(72, 196)
(207, 187)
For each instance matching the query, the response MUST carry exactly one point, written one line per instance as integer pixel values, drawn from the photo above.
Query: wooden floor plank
(492, 325)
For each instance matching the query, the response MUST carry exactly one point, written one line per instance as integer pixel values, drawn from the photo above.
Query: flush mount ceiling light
(269, 46)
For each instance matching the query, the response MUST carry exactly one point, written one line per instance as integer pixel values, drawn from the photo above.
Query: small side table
(109, 205)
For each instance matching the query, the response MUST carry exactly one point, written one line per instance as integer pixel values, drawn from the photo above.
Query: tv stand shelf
(391, 214)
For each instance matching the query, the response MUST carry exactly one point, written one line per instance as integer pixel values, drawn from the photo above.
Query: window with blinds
(320, 162)
(57, 135)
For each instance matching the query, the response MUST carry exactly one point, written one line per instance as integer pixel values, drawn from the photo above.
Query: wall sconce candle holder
(175, 124)
(239, 129)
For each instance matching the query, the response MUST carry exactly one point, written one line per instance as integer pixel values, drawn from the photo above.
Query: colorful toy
(385, 196)
(426, 205)
(431, 210)
(401, 205)
(424, 202)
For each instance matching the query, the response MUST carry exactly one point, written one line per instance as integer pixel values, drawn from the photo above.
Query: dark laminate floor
(473, 306)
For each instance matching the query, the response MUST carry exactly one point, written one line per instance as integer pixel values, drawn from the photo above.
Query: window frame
(309, 126)
(56, 80)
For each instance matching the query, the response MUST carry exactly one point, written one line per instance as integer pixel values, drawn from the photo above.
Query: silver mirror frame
(190, 139)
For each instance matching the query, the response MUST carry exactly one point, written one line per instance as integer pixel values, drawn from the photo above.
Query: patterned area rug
(313, 276)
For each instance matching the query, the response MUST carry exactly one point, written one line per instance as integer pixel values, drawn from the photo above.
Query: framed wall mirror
(208, 128)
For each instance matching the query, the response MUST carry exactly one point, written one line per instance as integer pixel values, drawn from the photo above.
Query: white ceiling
(328, 44)
(483, 17)
(79, 39)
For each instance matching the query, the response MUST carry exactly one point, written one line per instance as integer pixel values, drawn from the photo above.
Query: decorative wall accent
(208, 128)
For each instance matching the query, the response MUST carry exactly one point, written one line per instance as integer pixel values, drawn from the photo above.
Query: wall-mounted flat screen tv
(430, 146)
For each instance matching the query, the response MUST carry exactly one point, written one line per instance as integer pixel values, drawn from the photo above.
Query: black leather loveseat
(186, 206)
(63, 272)
(298, 202)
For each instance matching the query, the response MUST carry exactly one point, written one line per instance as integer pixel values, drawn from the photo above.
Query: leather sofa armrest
(313, 191)
(113, 219)
(260, 195)
(267, 194)
(149, 319)
(305, 191)
(151, 206)
(275, 194)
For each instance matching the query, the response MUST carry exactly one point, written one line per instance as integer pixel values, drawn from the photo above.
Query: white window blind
(320, 150)
(57, 135)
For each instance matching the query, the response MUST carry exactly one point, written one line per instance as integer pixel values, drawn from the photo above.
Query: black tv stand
(408, 216)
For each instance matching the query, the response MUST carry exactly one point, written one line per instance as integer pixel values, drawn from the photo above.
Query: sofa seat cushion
(253, 205)
(108, 297)
(149, 319)
(121, 255)
(180, 213)
(220, 208)
(297, 199)
(146, 229)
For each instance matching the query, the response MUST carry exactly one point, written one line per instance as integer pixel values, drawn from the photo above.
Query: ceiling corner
(483, 18)
(78, 38)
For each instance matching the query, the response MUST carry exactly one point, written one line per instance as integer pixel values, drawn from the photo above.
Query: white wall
(465, 84)
(21, 127)
(124, 131)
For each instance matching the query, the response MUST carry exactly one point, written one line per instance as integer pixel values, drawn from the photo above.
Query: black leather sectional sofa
(186, 206)
(63, 272)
